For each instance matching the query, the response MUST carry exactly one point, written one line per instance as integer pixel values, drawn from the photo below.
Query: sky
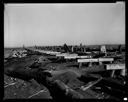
(56, 24)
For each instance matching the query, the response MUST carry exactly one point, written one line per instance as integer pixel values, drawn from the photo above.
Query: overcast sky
(56, 24)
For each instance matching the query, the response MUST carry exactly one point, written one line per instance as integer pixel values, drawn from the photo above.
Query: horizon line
(60, 45)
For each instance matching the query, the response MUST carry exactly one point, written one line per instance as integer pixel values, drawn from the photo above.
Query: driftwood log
(57, 89)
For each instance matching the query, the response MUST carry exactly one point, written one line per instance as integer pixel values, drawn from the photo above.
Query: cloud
(55, 24)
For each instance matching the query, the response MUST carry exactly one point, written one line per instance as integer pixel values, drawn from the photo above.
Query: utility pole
(23, 46)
